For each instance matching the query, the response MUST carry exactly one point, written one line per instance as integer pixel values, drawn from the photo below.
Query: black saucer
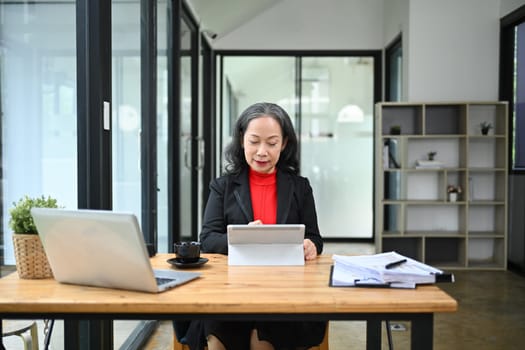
(182, 265)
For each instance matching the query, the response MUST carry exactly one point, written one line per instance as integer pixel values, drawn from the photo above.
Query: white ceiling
(222, 17)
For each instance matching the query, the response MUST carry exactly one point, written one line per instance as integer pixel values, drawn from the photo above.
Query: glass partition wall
(38, 107)
(38, 104)
(337, 104)
(126, 106)
(331, 101)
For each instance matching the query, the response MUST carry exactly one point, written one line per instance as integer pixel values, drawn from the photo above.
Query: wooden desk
(235, 292)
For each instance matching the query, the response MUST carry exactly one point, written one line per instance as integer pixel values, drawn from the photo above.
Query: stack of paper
(428, 164)
(384, 270)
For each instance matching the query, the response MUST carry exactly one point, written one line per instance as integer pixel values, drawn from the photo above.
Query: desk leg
(422, 333)
(88, 335)
(373, 334)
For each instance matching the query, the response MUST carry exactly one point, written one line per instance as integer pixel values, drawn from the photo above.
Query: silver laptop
(101, 248)
(265, 244)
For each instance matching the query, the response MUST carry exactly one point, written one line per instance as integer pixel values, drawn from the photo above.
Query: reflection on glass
(38, 101)
(126, 107)
(185, 131)
(246, 82)
(162, 128)
(126, 123)
(337, 143)
(336, 125)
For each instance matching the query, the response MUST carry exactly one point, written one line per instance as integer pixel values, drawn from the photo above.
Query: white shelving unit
(413, 212)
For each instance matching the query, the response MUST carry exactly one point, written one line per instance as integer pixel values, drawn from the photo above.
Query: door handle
(200, 143)
(187, 150)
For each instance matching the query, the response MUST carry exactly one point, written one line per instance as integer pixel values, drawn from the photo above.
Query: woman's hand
(256, 222)
(310, 250)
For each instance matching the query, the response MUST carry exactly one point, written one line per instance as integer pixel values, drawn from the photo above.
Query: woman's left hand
(310, 250)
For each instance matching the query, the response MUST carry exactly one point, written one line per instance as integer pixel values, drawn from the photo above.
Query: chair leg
(34, 336)
(25, 330)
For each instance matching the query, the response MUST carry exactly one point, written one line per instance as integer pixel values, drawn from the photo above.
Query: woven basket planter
(31, 260)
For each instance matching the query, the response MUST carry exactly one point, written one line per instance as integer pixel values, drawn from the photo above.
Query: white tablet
(266, 244)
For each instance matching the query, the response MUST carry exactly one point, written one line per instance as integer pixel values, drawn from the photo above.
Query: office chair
(26, 330)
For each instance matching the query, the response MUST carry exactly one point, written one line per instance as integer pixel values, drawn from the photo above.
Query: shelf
(487, 152)
(445, 119)
(487, 112)
(441, 234)
(408, 117)
(486, 252)
(408, 246)
(445, 251)
(486, 234)
(446, 217)
(487, 218)
(414, 213)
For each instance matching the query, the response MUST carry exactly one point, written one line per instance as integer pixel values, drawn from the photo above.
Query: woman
(261, 186)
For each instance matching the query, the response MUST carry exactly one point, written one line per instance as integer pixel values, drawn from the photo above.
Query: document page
(385, 268)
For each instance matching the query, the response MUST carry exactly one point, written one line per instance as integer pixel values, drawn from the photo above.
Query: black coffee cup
(152, 251)
(187, 252)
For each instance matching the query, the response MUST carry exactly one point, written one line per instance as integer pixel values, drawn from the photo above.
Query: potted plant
(485, 127)
(31, 260)
(453, 192)
(395, 130)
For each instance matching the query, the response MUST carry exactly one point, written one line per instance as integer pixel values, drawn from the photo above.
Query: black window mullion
(93, 91)
(509, 25)
(148, 138)
(299, 104)
(195, 137)
(173, 37)
(93, 33)
(209, 120)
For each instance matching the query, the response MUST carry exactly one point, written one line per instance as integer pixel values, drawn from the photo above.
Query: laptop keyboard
(161, 281)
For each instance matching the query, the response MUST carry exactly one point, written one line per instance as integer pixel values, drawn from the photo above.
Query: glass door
(337, 103)
(126, 104)
(38, 126)
(331, 100)
(245, 82)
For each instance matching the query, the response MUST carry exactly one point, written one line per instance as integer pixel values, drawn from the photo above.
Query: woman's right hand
(256, 222)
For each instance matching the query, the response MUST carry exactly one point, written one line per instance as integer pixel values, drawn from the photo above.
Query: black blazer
(229, 202)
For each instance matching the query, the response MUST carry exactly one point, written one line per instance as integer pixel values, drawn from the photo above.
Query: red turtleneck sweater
(263, 190)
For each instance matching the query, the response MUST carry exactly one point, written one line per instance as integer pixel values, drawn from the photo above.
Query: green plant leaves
(21, 220)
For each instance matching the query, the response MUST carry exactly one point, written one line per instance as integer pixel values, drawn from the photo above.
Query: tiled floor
(491, 315)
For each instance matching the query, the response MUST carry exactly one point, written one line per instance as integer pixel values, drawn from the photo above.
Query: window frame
(506, 83)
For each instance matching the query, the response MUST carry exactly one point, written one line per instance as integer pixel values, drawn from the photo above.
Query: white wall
(311, 25)
(453, 50)
(450, 47)
(507, 6)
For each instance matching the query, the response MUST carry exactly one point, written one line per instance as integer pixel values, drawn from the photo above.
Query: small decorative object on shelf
(395, 130)
(431, 155)
(485, 127)
(453, 192)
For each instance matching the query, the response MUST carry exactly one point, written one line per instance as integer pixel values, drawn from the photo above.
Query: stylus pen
(395, 263)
